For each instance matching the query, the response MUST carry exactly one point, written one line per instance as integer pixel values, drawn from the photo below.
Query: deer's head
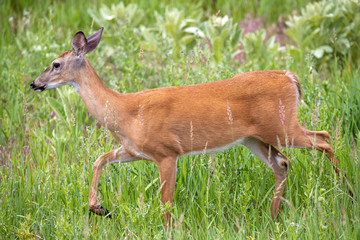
(65, 68)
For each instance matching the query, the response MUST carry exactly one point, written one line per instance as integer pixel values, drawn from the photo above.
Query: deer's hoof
(106, 212)
(101, 211)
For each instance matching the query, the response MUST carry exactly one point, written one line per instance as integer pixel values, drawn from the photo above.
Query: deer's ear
(79, 44)
(94, 40)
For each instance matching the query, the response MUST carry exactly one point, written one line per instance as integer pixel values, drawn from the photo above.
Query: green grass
(46, 160)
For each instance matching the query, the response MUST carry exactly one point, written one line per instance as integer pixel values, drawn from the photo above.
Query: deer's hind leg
(275, 160)
(318, 140)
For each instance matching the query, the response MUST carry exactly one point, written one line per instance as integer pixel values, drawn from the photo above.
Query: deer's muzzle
(37, 88)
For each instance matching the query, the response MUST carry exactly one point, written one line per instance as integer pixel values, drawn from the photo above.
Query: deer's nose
(32, 84)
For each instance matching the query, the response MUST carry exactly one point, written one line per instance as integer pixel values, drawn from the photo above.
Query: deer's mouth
(37, 88)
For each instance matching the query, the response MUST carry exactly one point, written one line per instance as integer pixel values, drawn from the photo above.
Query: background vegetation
(48, 141)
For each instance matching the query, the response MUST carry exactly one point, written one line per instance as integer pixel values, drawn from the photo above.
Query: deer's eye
(56, 64)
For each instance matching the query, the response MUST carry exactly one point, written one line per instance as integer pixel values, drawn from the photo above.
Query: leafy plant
(259, 51)
(224, 36)
(150, 39)
(123, 16)
(182, 32)
(327, 29)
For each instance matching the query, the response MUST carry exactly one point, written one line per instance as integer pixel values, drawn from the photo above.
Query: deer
(255, 109)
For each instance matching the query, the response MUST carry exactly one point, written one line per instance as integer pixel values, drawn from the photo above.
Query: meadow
(49, 142)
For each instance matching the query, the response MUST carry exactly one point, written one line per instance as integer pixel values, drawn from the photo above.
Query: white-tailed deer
(255, 109)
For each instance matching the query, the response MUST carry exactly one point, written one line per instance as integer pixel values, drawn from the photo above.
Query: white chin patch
(38, 90)
(56, 85)
(75, 85)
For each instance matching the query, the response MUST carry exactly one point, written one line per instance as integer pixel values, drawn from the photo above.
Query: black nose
(32, 84)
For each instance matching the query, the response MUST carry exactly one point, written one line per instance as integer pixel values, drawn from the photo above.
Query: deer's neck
(104, 104)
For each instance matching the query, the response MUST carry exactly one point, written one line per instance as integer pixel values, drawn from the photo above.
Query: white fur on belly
(214, 150)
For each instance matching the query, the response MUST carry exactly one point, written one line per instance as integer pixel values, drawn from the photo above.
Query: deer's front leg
(117, 155)
(167, 171)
